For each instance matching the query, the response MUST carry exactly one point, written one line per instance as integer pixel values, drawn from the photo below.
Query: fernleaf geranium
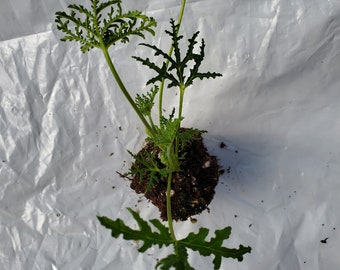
(103, 25)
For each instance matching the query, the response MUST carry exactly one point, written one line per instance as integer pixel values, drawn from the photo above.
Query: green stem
(168, 190)
(181, 98)
(180, 109)
(125, 91)
(161, 88)
(115, 74)
(168, 207)
(151, 122)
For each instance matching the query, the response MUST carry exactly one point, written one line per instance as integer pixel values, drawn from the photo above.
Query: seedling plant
(103, 24)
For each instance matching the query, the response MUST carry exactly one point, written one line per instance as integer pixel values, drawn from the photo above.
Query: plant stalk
(181, 98)
(168, 207)
(180, 109)
(160, 112)
(161, 88)
(122, 87)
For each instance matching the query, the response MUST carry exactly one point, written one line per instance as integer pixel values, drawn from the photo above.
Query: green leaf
(103, 25)
(145, 233)
(175, 39)
(197, 242)
(177, 72)
(166, 133)
(187, 135)
(179, 258)
(194, 73)
(146, 165)
(145, 102)
(100, 7)
(122, 26)
(162, 71)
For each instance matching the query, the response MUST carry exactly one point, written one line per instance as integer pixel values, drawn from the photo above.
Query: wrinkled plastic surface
(65, 128)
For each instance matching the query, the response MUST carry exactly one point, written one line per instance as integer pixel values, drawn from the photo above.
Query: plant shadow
(249, 164)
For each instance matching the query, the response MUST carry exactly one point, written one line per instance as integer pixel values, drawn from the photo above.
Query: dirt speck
(324, 241)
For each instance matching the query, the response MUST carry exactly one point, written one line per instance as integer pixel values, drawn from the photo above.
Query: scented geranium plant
(174, 169)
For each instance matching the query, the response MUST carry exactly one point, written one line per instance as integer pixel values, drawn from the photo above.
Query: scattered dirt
(193, 187)
(324, 241)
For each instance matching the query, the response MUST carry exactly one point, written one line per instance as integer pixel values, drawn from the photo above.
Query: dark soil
(193, 187)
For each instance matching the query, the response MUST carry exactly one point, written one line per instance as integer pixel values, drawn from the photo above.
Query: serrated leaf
(197, 242)
(145, 102)
(177, 72)
(188, 135)
(122, 26)
(103, 25)
(162, 71)
(104, 5)
(144, 234)
(175, 39)
(166, 134)
(147, 165)
(179, 260)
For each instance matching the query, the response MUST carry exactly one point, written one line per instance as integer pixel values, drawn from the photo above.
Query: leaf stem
(151, 122)
(161, 88)
(115, 74)
(122, 87)
(160, 112)
(180, 109)
(181, 98)
(168, 207)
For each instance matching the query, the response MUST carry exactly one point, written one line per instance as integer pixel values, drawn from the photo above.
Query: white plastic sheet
(65, 129)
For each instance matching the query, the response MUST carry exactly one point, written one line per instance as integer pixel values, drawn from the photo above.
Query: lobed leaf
(144, 234)
(162, 71)
(103, 25)
(175, 39)
(179, 258)
(145, 102)
(197, 242)
(107, 4)
(149, 167)
(166, 134)
(177, 73)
